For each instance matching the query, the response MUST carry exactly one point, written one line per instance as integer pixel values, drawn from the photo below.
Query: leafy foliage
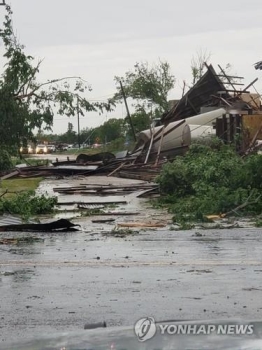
(70, 136)
(27, 204)
(25, 103)
(5, 160)
(198, 66)
(212, 181)
(148, 85)
(141, 121)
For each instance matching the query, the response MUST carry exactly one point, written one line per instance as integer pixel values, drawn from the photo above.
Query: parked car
(62, 147)
(51, 148)
(27, 150)
(97, 145)
(41, 149)
(84, 145)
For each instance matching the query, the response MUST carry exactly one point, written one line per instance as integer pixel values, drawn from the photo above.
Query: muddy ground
(70, 279)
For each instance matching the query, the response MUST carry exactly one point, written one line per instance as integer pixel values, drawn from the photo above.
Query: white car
(41, 149)
(51, 148)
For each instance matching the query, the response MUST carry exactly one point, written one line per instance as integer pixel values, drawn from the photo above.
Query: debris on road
(141, 224)
(82, 204)
(20, 240)
(109, 190)
(103, 221)
(112, 213)
(60, 225)
(120, 233)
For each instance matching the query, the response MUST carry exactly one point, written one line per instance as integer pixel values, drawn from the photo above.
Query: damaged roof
(198, 96)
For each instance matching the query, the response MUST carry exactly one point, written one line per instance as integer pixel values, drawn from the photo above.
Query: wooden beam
(227, 78)
(192, 106)
(236, 91)
(252, 83)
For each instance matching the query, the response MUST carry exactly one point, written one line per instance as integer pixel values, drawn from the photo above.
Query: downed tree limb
(4, 193)
(241, 206)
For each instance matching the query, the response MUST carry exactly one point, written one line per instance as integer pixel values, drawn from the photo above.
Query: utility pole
(127, 110)
(78, 124)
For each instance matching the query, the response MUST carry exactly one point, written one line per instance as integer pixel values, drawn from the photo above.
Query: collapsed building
(213, 106)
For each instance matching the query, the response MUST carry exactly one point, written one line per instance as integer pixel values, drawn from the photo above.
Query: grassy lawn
(30, 161)
(18, 185)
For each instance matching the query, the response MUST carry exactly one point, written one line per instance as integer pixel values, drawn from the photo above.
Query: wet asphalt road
(60, 284)
(84, 277)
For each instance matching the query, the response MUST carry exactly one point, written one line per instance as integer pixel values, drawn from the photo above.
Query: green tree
(148, 86)
(70, 136)
(198, 64)
(25, 103)
(141, 121)
(85, 135)
(109, 131)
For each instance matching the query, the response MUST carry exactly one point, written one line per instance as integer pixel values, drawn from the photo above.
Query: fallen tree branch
(4, 193)
(241, 206)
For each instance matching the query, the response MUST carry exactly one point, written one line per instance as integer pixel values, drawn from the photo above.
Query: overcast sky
(98, 39)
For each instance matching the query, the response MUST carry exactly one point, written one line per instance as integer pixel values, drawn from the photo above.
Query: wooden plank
(8, 176)
(115, 170)
(91, 203)
(227, 78)
(141, 224)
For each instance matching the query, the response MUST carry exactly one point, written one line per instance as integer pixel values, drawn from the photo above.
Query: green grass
(18, 185)
(30, 161)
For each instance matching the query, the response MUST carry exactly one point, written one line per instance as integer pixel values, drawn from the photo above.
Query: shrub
(27, 204)
(5, 161)
(209, 180)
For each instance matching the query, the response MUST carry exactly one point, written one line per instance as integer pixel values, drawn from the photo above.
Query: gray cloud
(63, 22)
(100, 39)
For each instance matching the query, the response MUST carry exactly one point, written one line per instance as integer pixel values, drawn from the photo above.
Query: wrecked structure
(215, 105)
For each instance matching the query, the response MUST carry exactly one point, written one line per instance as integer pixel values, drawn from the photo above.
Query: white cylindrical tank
(201, 131)
(208, 118)
(176, 134)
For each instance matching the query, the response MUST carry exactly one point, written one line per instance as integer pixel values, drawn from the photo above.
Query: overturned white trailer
(176, 137)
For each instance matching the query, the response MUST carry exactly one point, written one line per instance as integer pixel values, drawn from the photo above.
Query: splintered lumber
(104, 194)
(102, 221)
(90, 203)
(111, 213)
(144, 184)
(137, 175)
(141, 224)
(104, 189)
(115, 170)
(57, 189)
(149, 192)
(9, 175)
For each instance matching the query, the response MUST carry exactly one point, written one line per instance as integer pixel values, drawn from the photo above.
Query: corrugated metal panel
(11, 220)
